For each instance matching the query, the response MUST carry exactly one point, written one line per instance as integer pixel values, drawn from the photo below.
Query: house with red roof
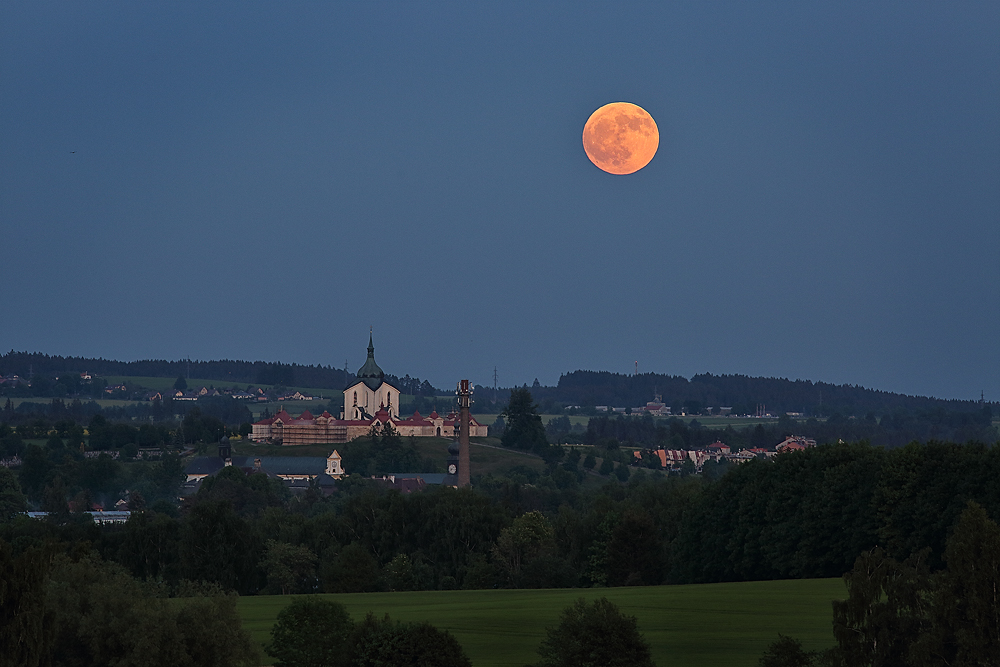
(718, 448)
(794, 443)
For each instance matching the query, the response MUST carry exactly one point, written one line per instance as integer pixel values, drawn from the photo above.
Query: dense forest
(804, 514)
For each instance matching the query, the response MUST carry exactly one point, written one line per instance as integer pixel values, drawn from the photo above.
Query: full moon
(620, 138)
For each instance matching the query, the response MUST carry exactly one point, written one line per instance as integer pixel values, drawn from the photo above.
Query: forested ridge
(578, 388)
(222, 370)
(740, 392)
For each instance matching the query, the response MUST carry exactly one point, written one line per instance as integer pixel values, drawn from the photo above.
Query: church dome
(370, 373)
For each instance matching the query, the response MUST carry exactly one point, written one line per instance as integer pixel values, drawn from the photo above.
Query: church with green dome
(370, 394)
(369, 402)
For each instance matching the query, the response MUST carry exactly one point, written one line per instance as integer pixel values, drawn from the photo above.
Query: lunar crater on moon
(620, 138)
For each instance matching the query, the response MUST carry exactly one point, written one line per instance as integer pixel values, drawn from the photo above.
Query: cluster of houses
(719, 451)
(251, 394)
(299, 473)
(13, 380)
(117, 513)
(657, 408)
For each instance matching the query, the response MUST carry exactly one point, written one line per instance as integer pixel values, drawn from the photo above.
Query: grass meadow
(692, 626)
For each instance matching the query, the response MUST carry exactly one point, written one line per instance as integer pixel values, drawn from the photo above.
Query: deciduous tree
(11, 499)
(379, 642)
(597, 634)
(290, 568)
(312, 633)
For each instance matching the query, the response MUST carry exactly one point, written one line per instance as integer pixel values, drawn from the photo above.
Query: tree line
(903, 614)
(803, 514)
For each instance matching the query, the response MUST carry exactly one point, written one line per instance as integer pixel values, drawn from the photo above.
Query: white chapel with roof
(371, 393)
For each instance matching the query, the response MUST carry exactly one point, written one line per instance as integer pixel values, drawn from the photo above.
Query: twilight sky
(261, 180)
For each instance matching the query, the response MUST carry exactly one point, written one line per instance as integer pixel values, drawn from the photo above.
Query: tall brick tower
(464, 401)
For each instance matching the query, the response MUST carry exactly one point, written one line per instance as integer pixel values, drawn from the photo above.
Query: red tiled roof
(306, 415)
(415, 420)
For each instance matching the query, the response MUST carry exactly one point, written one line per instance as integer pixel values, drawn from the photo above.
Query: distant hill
(740, 392)
(223, 370)
(584, 388)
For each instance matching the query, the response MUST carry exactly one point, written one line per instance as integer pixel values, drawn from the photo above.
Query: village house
(717, 448)
(794, 443)
(295, 396)
(297, 472)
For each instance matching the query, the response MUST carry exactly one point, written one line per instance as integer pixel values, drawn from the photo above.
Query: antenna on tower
(637, 367)
(494, 385)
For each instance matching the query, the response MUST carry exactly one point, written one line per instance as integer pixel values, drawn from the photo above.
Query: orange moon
(620, 138)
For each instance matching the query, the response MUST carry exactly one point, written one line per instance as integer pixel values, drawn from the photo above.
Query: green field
(162, 384)
(692, 626)
(707, 422)
(103, 402)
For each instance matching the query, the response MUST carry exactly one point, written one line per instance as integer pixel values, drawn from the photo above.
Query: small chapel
(369, 401)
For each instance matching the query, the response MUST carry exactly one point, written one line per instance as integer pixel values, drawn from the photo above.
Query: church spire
(370, 373)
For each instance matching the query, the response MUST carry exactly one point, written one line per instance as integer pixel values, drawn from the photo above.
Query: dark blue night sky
(267, 180)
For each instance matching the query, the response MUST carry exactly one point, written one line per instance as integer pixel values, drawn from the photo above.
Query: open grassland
(486, 456)
(163, 384)
(691, 626)
(103, 402)
(488, 419)
(707, 422)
